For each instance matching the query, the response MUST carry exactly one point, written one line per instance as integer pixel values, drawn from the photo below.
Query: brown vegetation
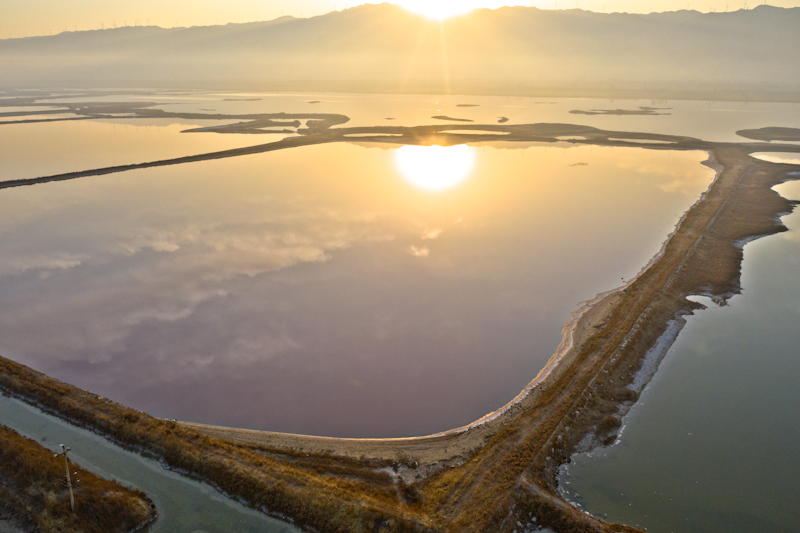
(324, 493)
(771, 134)
(506, 472)
(516, 472)
(647, 111)
(451, 119)
(32, 487)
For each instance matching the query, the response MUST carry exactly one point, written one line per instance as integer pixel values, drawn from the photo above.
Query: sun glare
(438, 9)
(434, 168)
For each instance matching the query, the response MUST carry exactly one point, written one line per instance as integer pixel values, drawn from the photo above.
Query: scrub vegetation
(34, 495)
(324, 493)
(508, 482)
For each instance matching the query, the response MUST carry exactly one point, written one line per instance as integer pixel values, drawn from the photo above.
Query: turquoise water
(714, 443)
(184, 506)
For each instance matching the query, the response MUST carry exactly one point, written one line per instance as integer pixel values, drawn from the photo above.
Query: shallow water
(712, 446)
(47, 148)
(317, 290)
(710, 121)
(184, 506)
(778, 157)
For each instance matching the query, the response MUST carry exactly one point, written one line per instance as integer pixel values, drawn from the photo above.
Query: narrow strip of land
(501, 469)
(584, 391)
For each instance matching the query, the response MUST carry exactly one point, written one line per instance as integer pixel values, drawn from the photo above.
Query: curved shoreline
(583, 317)
(559, 409)
(491, 475)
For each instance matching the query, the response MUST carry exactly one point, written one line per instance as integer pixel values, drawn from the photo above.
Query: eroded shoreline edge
(513, 474)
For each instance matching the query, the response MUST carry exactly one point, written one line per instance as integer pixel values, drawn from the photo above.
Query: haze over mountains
(384, 48)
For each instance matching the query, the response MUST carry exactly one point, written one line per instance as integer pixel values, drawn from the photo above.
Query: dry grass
(513, 476)
(330, 498)
(33, 483)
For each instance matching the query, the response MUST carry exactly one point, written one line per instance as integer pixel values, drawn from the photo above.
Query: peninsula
(499, 471)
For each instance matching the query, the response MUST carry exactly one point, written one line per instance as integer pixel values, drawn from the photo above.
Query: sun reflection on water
(435, 168)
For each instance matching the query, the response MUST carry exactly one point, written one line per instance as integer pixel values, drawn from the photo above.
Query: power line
(64, 450)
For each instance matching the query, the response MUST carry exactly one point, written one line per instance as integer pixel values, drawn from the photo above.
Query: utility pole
(64, 451)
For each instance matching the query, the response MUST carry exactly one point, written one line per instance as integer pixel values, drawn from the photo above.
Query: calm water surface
(47, 148)
(184, 506)
(318, 290)
(710, 121)
(778, 157)
(714, 443)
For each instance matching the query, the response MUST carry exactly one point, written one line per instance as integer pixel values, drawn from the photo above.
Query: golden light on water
(438, 9)
(435, 168)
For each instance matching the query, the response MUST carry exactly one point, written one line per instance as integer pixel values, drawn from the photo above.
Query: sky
(20, 18)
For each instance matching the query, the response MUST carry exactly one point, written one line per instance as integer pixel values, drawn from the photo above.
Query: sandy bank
(502, 469)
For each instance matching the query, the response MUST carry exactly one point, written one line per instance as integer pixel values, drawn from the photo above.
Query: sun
(435, 168)
(438, 9)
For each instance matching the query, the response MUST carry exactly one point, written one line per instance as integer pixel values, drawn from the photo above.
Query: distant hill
(514, 50)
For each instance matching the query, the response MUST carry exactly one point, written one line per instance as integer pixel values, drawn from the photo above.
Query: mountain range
(385, 48)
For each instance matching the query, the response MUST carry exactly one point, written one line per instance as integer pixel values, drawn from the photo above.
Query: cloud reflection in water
(288, 296)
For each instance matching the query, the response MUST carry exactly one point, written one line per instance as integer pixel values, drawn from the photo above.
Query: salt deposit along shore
(500, 471)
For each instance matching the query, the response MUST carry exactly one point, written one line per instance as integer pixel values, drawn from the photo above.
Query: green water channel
(184, 506)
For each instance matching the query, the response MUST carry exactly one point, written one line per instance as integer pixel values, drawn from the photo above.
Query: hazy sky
(19, 18)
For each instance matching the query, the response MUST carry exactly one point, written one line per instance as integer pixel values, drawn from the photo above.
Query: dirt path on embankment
(504, 466)
(500, 470)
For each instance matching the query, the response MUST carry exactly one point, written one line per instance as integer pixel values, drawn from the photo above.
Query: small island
(645, 111)
(499, 470)
(771, 134)
(445, 117)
